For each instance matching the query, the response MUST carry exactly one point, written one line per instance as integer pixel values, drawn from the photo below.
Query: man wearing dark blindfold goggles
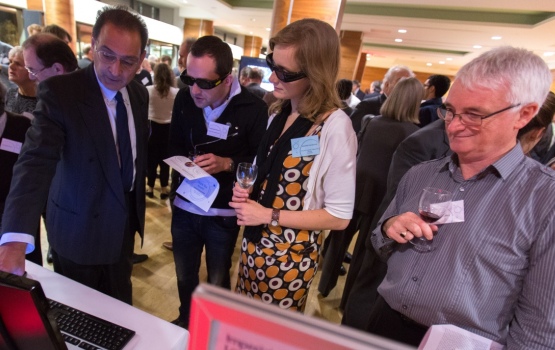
(214, 101)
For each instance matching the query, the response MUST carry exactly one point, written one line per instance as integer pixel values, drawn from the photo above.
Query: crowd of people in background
(486, 135)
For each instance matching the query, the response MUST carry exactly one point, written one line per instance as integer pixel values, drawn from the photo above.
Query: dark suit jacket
(360, 94)
(428, 111)
(16, 127)
(369, 106)
(256, 90)
(378, 142)
(70, 158)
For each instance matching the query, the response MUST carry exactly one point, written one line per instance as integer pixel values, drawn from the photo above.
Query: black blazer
(70, 158)
(16, 127)
(368, 106)
(378, 142)
(426, 144)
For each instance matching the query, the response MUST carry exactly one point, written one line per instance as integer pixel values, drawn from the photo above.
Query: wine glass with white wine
(246, 174)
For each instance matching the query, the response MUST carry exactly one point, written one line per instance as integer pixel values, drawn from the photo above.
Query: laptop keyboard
(87, 331)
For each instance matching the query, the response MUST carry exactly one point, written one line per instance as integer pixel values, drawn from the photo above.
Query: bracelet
(231, 165)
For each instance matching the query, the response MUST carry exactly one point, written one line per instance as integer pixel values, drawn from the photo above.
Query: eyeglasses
(35, 73)
(128, 62)
(468, 119)
(281, 73)
(201, 83)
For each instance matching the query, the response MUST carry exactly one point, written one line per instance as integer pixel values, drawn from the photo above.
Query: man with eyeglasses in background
(46, 55)
(214, 100)
(435, 87)
(490, 271)
(86, 154)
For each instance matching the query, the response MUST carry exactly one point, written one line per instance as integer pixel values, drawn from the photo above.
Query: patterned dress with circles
(280, 268)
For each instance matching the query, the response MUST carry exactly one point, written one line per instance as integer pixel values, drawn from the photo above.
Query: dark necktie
(124, 144)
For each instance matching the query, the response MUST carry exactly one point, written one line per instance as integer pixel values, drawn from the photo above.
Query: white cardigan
(331, 183)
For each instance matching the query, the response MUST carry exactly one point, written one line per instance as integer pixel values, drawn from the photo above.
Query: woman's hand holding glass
(249, 212)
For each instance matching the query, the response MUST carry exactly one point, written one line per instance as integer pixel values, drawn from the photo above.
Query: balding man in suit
(88, 159)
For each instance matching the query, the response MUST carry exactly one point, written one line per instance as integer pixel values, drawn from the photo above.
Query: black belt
(410, 322)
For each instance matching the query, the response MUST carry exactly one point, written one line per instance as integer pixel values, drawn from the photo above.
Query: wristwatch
(275, 218)
(231, 165)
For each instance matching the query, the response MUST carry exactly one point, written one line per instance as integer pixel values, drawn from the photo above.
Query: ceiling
(440, 34)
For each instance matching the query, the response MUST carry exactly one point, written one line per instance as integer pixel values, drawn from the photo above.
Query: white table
(151, 332)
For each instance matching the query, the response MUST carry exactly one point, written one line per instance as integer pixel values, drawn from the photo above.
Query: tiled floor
(154, 281)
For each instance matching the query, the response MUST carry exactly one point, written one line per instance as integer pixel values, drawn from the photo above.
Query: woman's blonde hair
(404, 102)
(317, 52)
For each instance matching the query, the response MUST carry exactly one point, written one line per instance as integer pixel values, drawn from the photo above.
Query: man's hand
(402, 228)
(212, 164)
(12, 257)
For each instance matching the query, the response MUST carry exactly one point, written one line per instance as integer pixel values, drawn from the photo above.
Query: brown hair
(163, 79)
(543, 118)
(317, 54)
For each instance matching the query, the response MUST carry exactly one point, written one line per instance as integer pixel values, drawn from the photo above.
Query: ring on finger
(403, 234)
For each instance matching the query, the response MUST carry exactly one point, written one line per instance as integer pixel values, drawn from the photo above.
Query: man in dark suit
(357, 91)
(88, 159)
(373, 104)
(435, 87)
(426, 144)
(255, 79)
(375, 89)
(46, 55)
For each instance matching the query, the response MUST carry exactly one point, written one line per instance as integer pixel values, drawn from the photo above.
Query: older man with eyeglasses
(46, 56)
(214, 101)
(85, 156)
(490, 270)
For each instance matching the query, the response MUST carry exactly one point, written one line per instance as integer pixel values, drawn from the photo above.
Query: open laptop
(29, 321)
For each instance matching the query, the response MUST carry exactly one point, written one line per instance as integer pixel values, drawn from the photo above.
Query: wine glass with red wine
(433, 204)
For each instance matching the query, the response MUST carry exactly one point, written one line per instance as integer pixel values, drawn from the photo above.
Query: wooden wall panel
(287, 11)
(253, 44)
(351, 45)
(35, 5)
(60, 12)
(195, 28)
(373, 73)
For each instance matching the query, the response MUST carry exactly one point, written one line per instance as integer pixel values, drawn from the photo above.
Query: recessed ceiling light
(441, 62)
(403, 31)
(184, 1)
(398, 40)
(449, 58)
(477, 46)
(268, 29)
(250, 33)
(549, 53)
(429, 64)
(496, 37)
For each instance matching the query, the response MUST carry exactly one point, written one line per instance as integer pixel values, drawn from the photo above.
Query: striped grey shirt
(494, 273)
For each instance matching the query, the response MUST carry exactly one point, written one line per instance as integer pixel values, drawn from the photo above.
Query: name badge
(454, 213)
(305, 146)
(218, 130)
(11, 146)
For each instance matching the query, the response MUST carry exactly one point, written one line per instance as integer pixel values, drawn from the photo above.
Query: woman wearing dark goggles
(281, 73)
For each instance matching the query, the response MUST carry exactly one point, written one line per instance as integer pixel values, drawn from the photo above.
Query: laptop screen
(24, 324)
